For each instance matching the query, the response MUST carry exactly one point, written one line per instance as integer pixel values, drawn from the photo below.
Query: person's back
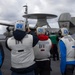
(21, 50)
(67, 52)
(22, 55)
(42, 49)
(42, 52)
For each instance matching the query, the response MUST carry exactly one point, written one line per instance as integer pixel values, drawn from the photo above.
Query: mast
(26, 12)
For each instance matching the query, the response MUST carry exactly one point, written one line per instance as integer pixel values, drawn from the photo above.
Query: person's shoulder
(10, 38)
(29, 35)
(49, 39)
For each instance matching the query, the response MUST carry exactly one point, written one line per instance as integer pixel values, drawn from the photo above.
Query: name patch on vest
(20, 50)
(42, 49)
(73, 46)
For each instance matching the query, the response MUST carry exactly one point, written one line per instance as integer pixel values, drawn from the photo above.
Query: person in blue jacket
(1, 55)
(67, 52)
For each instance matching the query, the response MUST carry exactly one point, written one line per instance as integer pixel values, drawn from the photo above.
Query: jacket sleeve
(1, 55)
(35, 38)
(63, 56)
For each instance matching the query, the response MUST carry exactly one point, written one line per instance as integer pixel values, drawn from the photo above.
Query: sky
(13, 10)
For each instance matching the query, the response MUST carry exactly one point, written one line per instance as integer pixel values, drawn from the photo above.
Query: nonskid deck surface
(5, 70)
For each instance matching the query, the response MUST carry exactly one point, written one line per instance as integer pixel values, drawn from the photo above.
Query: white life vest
(42, 50)
(70, 47)
(22, 54)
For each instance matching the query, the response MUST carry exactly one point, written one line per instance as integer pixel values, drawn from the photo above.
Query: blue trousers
(29, 73)
(0, 72)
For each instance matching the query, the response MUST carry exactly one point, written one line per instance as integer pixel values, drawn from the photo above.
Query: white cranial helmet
(20, 25)
(64, 31)
(40, 30)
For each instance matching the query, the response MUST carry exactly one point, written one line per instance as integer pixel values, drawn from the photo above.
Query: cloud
(13, 10)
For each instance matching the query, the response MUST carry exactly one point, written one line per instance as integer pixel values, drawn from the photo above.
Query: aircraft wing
(6, 24)
(10, 27)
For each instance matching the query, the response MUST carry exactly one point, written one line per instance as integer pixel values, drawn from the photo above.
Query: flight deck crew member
(67, 52)
(1, 55)
(22, 55)
(54, 39)
(42, 53)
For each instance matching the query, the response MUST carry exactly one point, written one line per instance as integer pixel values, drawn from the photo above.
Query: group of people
(31, 51)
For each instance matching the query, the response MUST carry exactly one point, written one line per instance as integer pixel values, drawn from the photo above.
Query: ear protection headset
(63, 32)
(20, 25)
(40, 30)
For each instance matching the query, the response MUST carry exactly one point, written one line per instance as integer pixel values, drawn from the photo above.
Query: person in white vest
(67, 52)
(22, 55)
(42, 53)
